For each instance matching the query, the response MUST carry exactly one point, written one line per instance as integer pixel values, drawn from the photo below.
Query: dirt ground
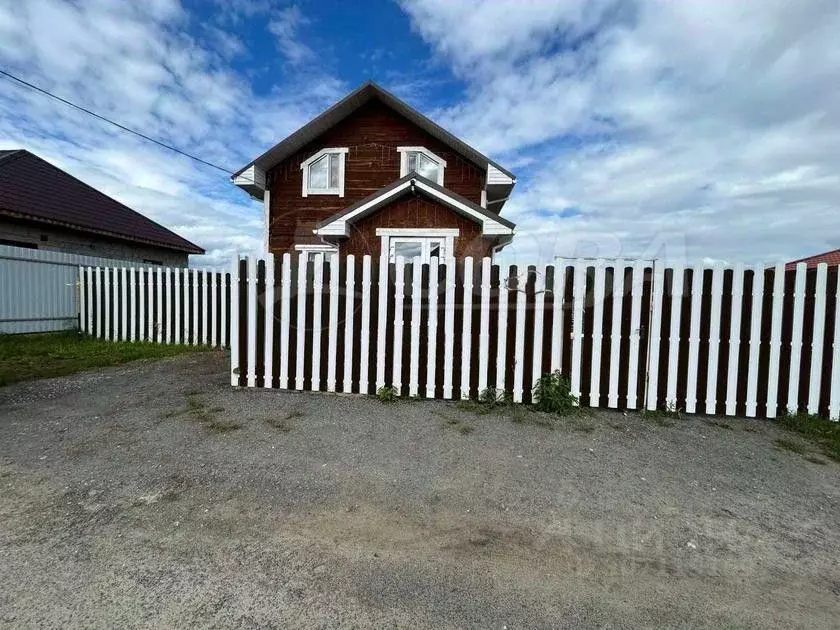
(152, 494)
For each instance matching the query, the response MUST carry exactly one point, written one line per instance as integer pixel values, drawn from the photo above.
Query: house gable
(409, 211)
(372, 135)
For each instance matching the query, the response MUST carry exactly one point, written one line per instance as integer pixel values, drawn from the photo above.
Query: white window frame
(341, 152)
(404, 151)
(425, 236)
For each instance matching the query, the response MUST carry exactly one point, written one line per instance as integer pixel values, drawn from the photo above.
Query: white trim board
(316, 248)
(446, 236)
(489, 227)
(304, 166)
(404, 151)
(417, 231)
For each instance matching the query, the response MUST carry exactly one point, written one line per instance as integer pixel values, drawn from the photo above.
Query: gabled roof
(349, 104)
(829, 258)
(32, 189)
(336, 225)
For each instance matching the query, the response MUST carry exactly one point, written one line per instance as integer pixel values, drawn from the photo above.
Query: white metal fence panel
(39, 289)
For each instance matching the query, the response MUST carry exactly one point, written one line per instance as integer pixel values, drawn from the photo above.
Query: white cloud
(707, 127)
(284, 26)
(137, 65)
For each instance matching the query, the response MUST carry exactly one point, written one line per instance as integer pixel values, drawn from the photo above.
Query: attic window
(423, 162)
(323, 173)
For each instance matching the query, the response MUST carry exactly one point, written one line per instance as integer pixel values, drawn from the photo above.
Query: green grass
(823, 432)
(199, 411)
(29, 357)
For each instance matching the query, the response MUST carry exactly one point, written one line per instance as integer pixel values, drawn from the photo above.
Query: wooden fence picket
(539, 324)
(251, 274)
(484, 326)
(318, 295)
(817, 340)
(235, 364)
(737, 294)
(834, 394)
(757, 306)
(449, 327)
(332, 332)
(578, 298)
(432, 324)
(381, 324)
(300, 322)
(775, 340)
(519, 340)
(349, 316)
(637, 283)
(466, 330)
(268, 336)
(501, 335)
(655, 337)
(364, 341)
(714, 339)
(416, 304)
(285, 314)
(694, 338)
(796, 339)
(399, 313)
(185, 281)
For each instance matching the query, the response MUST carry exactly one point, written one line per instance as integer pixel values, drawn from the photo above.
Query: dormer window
(323, 173)
(423, 162)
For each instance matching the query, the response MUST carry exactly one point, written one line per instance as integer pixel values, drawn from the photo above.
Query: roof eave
(187, 248)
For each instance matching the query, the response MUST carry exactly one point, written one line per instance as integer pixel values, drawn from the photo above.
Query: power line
(12, 77)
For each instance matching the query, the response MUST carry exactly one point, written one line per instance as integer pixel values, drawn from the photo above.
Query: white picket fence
(630, 334)
(159, 304)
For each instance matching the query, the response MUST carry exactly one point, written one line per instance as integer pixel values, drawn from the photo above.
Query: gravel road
(152, 494)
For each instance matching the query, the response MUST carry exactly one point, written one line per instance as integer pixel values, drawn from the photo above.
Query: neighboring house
(43, 207)
(373, 175)
(829, 258)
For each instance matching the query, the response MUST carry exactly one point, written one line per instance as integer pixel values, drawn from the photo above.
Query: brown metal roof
(347, 106)
(32, 189)
(829, 258)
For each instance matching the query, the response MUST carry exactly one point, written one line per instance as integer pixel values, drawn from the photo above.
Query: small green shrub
(553, 394)
(386, 394)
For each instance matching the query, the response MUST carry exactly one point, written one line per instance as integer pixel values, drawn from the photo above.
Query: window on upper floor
(423, 162)
(323, 173)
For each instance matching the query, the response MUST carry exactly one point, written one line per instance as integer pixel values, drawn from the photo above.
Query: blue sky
(693, 131)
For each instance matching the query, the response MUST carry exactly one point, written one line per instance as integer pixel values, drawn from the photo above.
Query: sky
(690, 131)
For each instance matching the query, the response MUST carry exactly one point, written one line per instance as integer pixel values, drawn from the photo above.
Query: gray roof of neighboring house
(32, 189)
(346, 106)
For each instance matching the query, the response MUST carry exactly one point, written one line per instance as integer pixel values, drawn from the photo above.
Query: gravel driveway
(153, 494)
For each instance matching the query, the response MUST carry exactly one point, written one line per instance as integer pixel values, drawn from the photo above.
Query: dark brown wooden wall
(372, 134)
(412, 211)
